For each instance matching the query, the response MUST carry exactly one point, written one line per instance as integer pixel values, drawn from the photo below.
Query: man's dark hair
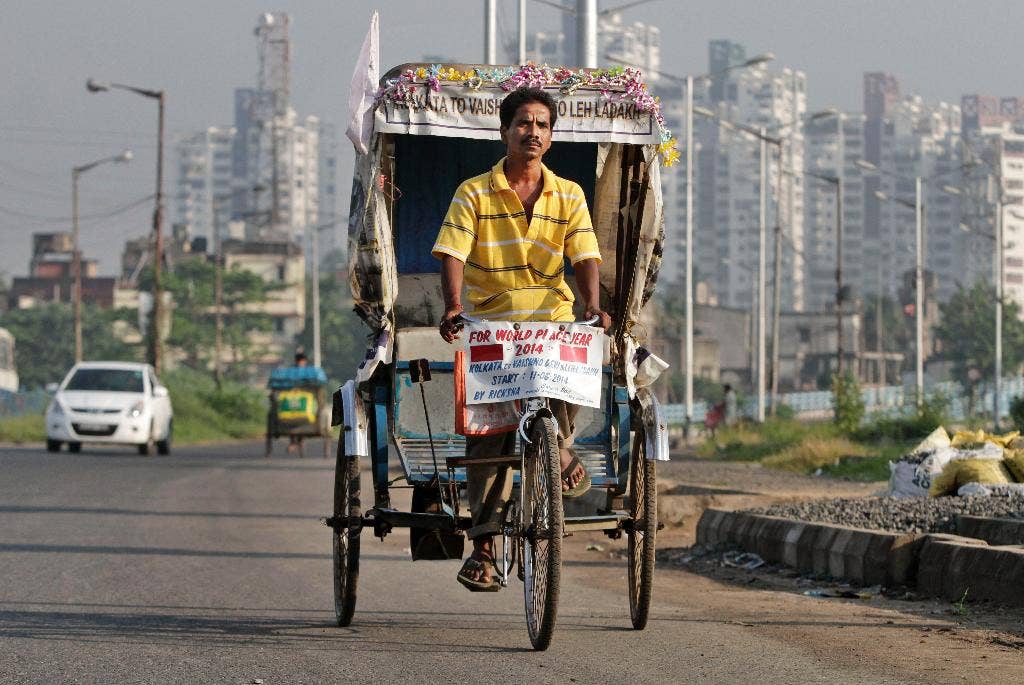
(522, 96)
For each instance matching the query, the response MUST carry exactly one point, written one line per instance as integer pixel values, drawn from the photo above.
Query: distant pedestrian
(730, 404)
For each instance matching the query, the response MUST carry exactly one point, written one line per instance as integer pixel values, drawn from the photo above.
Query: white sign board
(514, 361)
(586, 115)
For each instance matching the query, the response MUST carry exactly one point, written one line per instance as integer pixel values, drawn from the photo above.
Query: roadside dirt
(688, 485)
(936, 641)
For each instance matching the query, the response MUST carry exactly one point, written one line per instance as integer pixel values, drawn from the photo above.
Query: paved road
(211, 566)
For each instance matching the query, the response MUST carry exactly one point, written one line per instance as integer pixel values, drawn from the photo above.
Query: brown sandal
(580, 488)
(472, 584)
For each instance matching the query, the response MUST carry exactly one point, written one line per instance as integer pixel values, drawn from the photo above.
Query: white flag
(364, 89)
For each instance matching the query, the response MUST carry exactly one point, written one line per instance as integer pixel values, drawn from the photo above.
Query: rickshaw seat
(424, 342)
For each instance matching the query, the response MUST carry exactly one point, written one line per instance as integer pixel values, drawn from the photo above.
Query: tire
(74, 447)
(541, 525)
(52, 445)
(642, 532)
(148, 448)
(163, 447)
(268, 446)
(345, 541)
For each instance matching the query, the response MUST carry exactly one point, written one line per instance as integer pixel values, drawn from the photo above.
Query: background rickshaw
(298, 408)
(433, 127)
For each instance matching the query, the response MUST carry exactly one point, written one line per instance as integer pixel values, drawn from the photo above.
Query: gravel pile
(913, 515)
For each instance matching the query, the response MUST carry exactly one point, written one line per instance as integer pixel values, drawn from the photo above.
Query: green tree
(193, 315)
(343, 335)
(967, 332)
(45, 343)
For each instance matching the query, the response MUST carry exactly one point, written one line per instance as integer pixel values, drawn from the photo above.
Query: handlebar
(465, 318)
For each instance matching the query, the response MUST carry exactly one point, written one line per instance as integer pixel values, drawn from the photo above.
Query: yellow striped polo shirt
(514, 270)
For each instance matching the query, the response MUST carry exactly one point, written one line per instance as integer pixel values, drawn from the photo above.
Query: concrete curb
(992, 531)
(940, 565)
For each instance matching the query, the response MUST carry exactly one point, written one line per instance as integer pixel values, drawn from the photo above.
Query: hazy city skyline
(200, 54)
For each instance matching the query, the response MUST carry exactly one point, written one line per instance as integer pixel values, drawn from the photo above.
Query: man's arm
(589, 284)
(452, 270)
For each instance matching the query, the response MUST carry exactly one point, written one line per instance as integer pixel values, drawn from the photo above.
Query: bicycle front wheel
(542, 524)
(643, 529)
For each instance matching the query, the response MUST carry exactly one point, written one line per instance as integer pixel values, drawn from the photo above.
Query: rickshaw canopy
(295, 377)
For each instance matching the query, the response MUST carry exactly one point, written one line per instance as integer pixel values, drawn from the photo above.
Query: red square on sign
(568, 353)
(486, 353)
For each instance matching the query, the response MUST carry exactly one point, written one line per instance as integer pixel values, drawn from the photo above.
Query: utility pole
(490, 32)
(316, 294)
(521, 56)
(586, 34)
(156, 341)
(777, 282)
(218, 297)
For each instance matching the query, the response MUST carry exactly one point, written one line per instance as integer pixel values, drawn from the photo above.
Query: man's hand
(604, 321)
(449, 328)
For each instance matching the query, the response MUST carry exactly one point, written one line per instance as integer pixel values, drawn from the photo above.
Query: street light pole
(688, 397)
(999, 298)
(761, 247)
(76, 257)
(840, 162)
(76, 265)
(919, 293)
(155, 356)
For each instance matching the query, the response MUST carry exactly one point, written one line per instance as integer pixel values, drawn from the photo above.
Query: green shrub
(933, 412)
(847, 402)
(204, 413)
(19, 429)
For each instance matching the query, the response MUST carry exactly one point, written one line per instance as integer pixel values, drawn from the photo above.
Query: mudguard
(654, 422)
(352, 413)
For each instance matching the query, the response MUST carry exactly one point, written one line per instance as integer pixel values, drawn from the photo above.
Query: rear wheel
(643, 528)
(74, 447)
(542, 525)
(345, 535)
(52, 445)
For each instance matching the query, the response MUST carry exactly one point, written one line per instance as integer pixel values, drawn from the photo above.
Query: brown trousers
(489, 486)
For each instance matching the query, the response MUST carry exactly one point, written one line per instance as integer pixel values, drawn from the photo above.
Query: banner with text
(458, 111)
(512, 361)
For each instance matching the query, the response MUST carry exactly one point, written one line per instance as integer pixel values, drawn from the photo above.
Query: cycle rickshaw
(298, 408)
(433, 127)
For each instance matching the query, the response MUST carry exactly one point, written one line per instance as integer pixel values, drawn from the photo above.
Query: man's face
(529, 136)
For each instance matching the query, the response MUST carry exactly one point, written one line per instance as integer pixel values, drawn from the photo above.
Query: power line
(83, 217)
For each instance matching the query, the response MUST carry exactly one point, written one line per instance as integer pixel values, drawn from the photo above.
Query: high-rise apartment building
(205, 180)
(993, 132)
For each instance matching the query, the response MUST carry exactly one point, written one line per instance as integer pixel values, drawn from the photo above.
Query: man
(506, 235)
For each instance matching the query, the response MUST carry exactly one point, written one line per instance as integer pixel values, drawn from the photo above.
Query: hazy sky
(200, 50)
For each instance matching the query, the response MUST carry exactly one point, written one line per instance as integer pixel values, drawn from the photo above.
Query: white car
(110, 402)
